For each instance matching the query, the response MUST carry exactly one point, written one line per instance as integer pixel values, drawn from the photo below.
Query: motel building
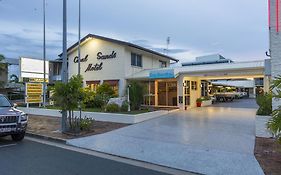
(106, 60)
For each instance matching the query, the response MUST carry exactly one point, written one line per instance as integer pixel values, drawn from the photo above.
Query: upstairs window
(162, 64)
(136, 60)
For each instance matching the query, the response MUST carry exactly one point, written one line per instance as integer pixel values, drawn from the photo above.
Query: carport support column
(266, 83)
(156, 92)
(180, 92)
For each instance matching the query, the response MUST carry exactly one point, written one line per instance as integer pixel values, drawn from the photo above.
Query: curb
(44, 137)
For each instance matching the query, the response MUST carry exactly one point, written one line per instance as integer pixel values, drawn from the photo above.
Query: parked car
(12, 121)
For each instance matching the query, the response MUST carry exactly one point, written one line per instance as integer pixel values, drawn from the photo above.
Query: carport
(182, 86)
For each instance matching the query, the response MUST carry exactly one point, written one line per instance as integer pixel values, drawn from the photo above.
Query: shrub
(124, 107)
(136, 95)
(274, 123)
(86, 124)
(104, 93)
(113, 107)
(265, 104)
(106, 90)
(89, 98)
(98, 101)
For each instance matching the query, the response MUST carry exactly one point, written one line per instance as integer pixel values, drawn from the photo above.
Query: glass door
(186, 93)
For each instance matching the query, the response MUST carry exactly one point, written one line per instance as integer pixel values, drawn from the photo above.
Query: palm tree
(274, 123)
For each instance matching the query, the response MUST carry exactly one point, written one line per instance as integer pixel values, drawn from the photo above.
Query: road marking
(114, 158)
(8, 145)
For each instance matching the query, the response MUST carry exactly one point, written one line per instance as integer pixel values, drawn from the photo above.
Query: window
(194, 85)
(93, 85)
(163, 64)
(114, 85)
(136, 60)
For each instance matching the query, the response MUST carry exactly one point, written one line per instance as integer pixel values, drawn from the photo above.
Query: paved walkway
(210, 140)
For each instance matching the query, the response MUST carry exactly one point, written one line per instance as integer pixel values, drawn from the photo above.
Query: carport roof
(235, 66)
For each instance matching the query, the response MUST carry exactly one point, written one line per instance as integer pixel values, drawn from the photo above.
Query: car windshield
(4, 102)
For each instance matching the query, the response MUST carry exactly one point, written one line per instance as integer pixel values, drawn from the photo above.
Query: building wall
(112, 69)
(275, 43)
(194, 94)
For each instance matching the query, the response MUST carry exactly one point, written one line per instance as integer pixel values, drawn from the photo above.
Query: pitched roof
(121, 43)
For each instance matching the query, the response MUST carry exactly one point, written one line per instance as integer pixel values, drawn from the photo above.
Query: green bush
(265, 104)
(124, 107)
(86, 124)
(89, 98)
(136, 95)
(99, 101)
(106, 90)
(113, 107)
(274, 124)
(103, 94)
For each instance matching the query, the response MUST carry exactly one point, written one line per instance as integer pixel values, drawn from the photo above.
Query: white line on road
(8, 145)
(114, 158)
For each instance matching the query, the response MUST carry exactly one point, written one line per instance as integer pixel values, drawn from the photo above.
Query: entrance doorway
(167, 93)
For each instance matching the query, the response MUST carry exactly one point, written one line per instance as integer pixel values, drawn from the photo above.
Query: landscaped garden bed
(50, 127)
(268, 154)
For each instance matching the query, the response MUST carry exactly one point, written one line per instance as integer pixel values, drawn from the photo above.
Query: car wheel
(18, 137)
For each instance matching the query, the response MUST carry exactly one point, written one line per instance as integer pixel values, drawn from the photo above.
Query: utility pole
(79, 50)
(64, 63)
(44, 53)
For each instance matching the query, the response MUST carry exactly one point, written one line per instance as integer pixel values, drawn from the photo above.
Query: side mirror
(15, 105)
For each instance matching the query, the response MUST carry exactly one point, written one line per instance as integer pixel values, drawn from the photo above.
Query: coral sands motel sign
(97, 66)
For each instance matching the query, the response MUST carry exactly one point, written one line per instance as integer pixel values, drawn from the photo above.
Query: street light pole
(79, 33)
(64, 63)
(44, 52)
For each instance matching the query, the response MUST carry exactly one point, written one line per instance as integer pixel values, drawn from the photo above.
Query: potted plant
(199, 101)
(203, 101)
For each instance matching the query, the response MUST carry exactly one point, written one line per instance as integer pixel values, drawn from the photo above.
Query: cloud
(232, 28)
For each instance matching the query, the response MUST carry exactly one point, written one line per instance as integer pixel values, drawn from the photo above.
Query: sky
(235, 29)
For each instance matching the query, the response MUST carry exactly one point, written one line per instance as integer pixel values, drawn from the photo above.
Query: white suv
(12, 121)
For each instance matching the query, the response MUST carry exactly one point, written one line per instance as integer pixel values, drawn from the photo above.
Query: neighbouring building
(32, 70)
(208, 59)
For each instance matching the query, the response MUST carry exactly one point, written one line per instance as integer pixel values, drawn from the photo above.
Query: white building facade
(105, 60)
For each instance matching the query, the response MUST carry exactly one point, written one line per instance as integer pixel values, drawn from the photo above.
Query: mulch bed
(50, 126)
(268, 154)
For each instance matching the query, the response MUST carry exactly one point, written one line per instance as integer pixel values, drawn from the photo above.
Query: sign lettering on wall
(98, 66)
(95, 67)
(100, 56)
(85, 59)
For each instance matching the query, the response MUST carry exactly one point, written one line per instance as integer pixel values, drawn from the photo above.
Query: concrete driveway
(208, 140)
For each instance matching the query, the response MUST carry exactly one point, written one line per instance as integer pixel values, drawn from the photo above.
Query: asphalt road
(33, 158)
